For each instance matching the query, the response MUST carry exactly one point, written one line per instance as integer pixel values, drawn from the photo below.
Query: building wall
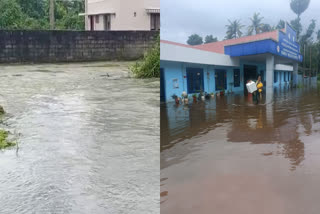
(70, 46)
(123, 13)
(281, 81)
(177, 71)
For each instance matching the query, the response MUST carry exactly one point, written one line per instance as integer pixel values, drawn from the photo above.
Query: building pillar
(269, 71)
(269, 88)
(86, 17)
(295, 74)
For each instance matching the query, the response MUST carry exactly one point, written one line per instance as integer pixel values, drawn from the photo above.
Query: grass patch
(4, 143)
(149, 66)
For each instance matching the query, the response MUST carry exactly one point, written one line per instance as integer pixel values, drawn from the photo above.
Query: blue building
(229, 64)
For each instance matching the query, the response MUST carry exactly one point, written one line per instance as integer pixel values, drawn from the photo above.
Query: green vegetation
(4, 143)
(307, 36)
(149, 66)
(256, 24)
(234, 29)
(34, 15)
(209, 39)
(195, 39)
(298, 7)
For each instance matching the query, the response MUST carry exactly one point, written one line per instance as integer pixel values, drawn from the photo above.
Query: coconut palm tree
(256, 24)
(234, 29)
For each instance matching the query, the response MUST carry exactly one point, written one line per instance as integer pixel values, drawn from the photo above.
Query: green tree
(298, 7)
(234, 29)
(256, 24)
(11, 15)
(307, 37)
(34, 14)
(195, 39)
(281, 24)
(296, 25)
(33, 8)
(209, 39)
(266, 28)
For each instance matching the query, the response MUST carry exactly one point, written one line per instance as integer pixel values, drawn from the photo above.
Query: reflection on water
(86, 133)
(229, 155)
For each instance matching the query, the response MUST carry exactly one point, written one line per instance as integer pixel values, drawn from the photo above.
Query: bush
(4, 143)
(149, 66)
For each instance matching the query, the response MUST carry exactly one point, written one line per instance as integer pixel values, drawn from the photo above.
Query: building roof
(218, 47)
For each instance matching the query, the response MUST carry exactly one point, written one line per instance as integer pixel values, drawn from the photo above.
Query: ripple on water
(88, 144)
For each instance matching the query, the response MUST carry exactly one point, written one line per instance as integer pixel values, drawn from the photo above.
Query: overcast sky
(181, 18)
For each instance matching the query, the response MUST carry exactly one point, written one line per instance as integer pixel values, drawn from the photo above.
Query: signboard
(288, 46)
(275, 42)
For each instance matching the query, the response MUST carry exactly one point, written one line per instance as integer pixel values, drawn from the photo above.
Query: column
(295, 74)
(269, 88)
(269, 71)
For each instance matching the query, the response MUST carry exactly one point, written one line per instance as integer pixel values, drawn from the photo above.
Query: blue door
(220, 79)
(194, 80)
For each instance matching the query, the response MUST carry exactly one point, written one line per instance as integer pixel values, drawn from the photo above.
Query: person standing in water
(259, 85)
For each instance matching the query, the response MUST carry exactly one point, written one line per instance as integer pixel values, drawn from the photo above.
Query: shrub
(4, 143)
(149, 66)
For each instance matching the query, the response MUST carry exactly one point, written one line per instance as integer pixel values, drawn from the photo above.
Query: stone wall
(73, 46)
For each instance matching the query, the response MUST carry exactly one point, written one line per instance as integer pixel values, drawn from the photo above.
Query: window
(275, 79)
(175, 83)
(194, 80)
(236, 77)
(155, 21)
(107, 22)
(97, 19)
(220, 79)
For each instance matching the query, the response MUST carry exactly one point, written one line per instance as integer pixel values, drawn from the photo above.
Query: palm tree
(256, 24)
(234, 29)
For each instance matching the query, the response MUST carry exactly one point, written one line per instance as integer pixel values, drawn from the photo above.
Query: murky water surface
(228, 155)
(88, 140)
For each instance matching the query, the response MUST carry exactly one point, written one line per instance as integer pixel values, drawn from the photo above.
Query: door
(194, 80)
(162, 86)
(220, 79)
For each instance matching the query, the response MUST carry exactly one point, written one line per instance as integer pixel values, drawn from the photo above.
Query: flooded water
(88, 140)
(228, 155)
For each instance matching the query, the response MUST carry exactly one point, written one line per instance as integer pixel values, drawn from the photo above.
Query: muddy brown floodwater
(88, 140)
(230, 156)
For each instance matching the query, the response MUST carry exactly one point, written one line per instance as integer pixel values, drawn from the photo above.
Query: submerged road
(229, 155)
(88, 140)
